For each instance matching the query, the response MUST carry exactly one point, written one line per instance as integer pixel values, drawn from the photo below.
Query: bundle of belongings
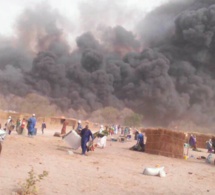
(73, 139)
(102, 138)
(138, 147)
(102, 142)
(101, 134)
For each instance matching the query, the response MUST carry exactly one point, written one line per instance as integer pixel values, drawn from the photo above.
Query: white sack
(73, 139)
(162, 173)
(153, 171)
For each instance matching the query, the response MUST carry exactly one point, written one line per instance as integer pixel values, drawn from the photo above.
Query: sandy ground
(113, 170)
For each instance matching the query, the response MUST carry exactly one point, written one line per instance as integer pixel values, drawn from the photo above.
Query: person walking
(7, 124)
(85, 137)
(43, 127)
(10, 126)
(65, 123)
(31, 125)
(18, 126)
(23, 124)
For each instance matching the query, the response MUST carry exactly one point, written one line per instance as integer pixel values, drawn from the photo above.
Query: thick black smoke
(170, 79)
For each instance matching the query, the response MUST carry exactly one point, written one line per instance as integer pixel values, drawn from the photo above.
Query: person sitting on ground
(140, 140)
(140, 146)
(85, 137)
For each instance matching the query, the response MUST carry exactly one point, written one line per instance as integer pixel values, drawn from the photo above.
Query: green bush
(29, 186)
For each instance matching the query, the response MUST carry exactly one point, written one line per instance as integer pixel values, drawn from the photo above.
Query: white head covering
(33, 114)
(9, 117)
(79, 121)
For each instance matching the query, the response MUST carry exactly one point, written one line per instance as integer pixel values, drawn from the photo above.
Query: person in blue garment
(85, 137)
(139, 146)
(31, 125)
(140, 140)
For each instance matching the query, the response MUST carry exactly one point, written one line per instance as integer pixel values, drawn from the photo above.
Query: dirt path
(113, 170)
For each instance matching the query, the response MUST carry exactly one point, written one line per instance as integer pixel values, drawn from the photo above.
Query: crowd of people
(21, 124)
(86, 134)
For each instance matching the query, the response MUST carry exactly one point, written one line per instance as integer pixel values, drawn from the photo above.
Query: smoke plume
(164, 70)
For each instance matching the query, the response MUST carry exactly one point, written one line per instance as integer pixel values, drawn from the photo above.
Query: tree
(110, 115)
(133, 120)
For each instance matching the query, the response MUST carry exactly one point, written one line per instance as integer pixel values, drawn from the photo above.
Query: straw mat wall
(165, 142)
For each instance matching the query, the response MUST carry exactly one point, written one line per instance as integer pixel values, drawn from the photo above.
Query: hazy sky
(74, 11)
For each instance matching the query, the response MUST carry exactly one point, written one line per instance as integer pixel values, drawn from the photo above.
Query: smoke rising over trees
(163, 71)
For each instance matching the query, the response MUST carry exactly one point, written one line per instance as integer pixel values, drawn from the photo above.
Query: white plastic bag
(158, 171)
(102, 142)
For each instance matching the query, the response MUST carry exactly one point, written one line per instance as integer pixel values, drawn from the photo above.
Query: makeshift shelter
(165, 142)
